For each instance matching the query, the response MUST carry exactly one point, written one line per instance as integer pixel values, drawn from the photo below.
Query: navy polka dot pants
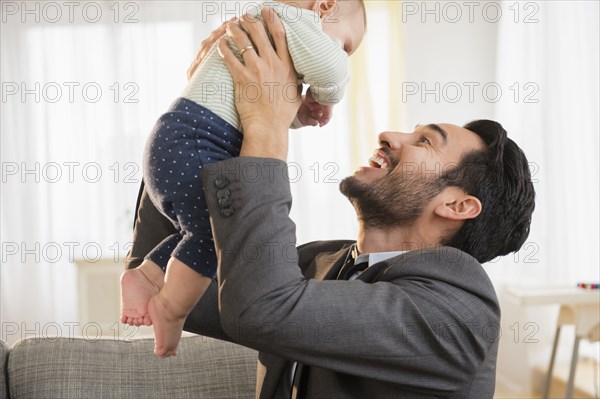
(185, 138)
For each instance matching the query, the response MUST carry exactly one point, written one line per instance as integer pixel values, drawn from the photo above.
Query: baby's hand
(311, 113)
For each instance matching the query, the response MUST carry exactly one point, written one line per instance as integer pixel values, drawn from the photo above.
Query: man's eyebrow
(438, 129)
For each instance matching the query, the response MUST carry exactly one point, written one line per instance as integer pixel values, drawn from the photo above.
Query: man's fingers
(234, 65)
(277, 31)
(242, 41)
(257, 33)
(216, 34)
(205, 47)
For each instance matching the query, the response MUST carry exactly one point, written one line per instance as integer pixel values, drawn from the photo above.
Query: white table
(580, 307)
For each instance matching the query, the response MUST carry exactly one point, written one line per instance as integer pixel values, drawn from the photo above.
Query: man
(422, 320)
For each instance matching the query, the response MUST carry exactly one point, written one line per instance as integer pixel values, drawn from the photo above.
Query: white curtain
(552, 64)
(549, 55)
(80, 96)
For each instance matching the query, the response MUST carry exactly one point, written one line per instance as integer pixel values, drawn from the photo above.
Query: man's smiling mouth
(381, 161)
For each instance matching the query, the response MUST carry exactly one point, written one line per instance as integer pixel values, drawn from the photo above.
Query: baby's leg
(194, 137)
(183, 288)
(142, 283)
(137, 287)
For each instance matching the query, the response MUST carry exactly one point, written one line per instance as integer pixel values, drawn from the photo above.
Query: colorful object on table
(589, 286)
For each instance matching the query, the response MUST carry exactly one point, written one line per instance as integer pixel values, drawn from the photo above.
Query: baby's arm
(311, 113)
(321, 63)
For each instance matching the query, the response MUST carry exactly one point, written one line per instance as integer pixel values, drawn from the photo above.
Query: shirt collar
(373, 257)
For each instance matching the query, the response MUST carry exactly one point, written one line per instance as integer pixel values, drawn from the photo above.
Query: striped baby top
(319, 60)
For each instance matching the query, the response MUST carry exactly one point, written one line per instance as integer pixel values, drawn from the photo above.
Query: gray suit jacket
(423, 324)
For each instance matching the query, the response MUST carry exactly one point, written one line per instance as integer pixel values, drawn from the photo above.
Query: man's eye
(425, 140)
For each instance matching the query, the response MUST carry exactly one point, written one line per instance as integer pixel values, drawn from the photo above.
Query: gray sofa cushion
(70, 368)
(3, 370)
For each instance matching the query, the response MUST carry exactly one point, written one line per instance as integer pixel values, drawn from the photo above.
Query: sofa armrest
(71, 368)
(4, 349)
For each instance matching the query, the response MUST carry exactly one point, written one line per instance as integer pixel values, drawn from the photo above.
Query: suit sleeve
(414, 332)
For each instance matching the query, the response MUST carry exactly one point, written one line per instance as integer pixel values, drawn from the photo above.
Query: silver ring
(242, 51)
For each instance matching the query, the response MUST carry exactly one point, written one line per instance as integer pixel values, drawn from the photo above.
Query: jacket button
(223, 193)
(224, 202)
(221, 182)
(226, 212)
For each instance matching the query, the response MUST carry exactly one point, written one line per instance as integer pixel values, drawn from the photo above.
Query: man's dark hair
(499, 177)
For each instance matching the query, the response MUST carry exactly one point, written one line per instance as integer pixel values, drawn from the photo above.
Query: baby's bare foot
(136, 291)
(168, 325)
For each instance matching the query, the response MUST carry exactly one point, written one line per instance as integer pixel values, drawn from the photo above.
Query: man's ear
(457, 205)
(324, 7)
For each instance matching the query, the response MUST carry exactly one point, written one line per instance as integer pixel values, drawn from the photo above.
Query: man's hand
(311, 113)
(206, 45)
(266, 91)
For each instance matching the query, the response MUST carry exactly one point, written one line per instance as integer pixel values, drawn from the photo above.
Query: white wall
(448, 63)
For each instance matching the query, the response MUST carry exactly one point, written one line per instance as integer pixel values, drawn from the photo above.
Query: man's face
(404, 174)
(346, 26)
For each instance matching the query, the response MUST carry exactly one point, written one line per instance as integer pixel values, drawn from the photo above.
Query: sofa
(70, 368)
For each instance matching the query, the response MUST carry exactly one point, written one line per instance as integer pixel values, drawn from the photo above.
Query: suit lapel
(271, 368)
(326, 266)
(269, 372)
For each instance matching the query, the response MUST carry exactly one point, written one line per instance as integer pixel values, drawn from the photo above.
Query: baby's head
(343, 20)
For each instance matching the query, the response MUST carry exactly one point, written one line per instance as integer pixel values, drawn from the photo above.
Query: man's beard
(395, 200)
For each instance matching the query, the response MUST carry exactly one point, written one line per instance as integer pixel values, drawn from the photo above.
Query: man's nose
(393, 140)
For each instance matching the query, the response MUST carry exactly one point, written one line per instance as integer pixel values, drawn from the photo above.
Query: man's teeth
(380, 161)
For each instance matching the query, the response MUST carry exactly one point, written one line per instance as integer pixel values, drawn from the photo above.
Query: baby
(203, 127)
